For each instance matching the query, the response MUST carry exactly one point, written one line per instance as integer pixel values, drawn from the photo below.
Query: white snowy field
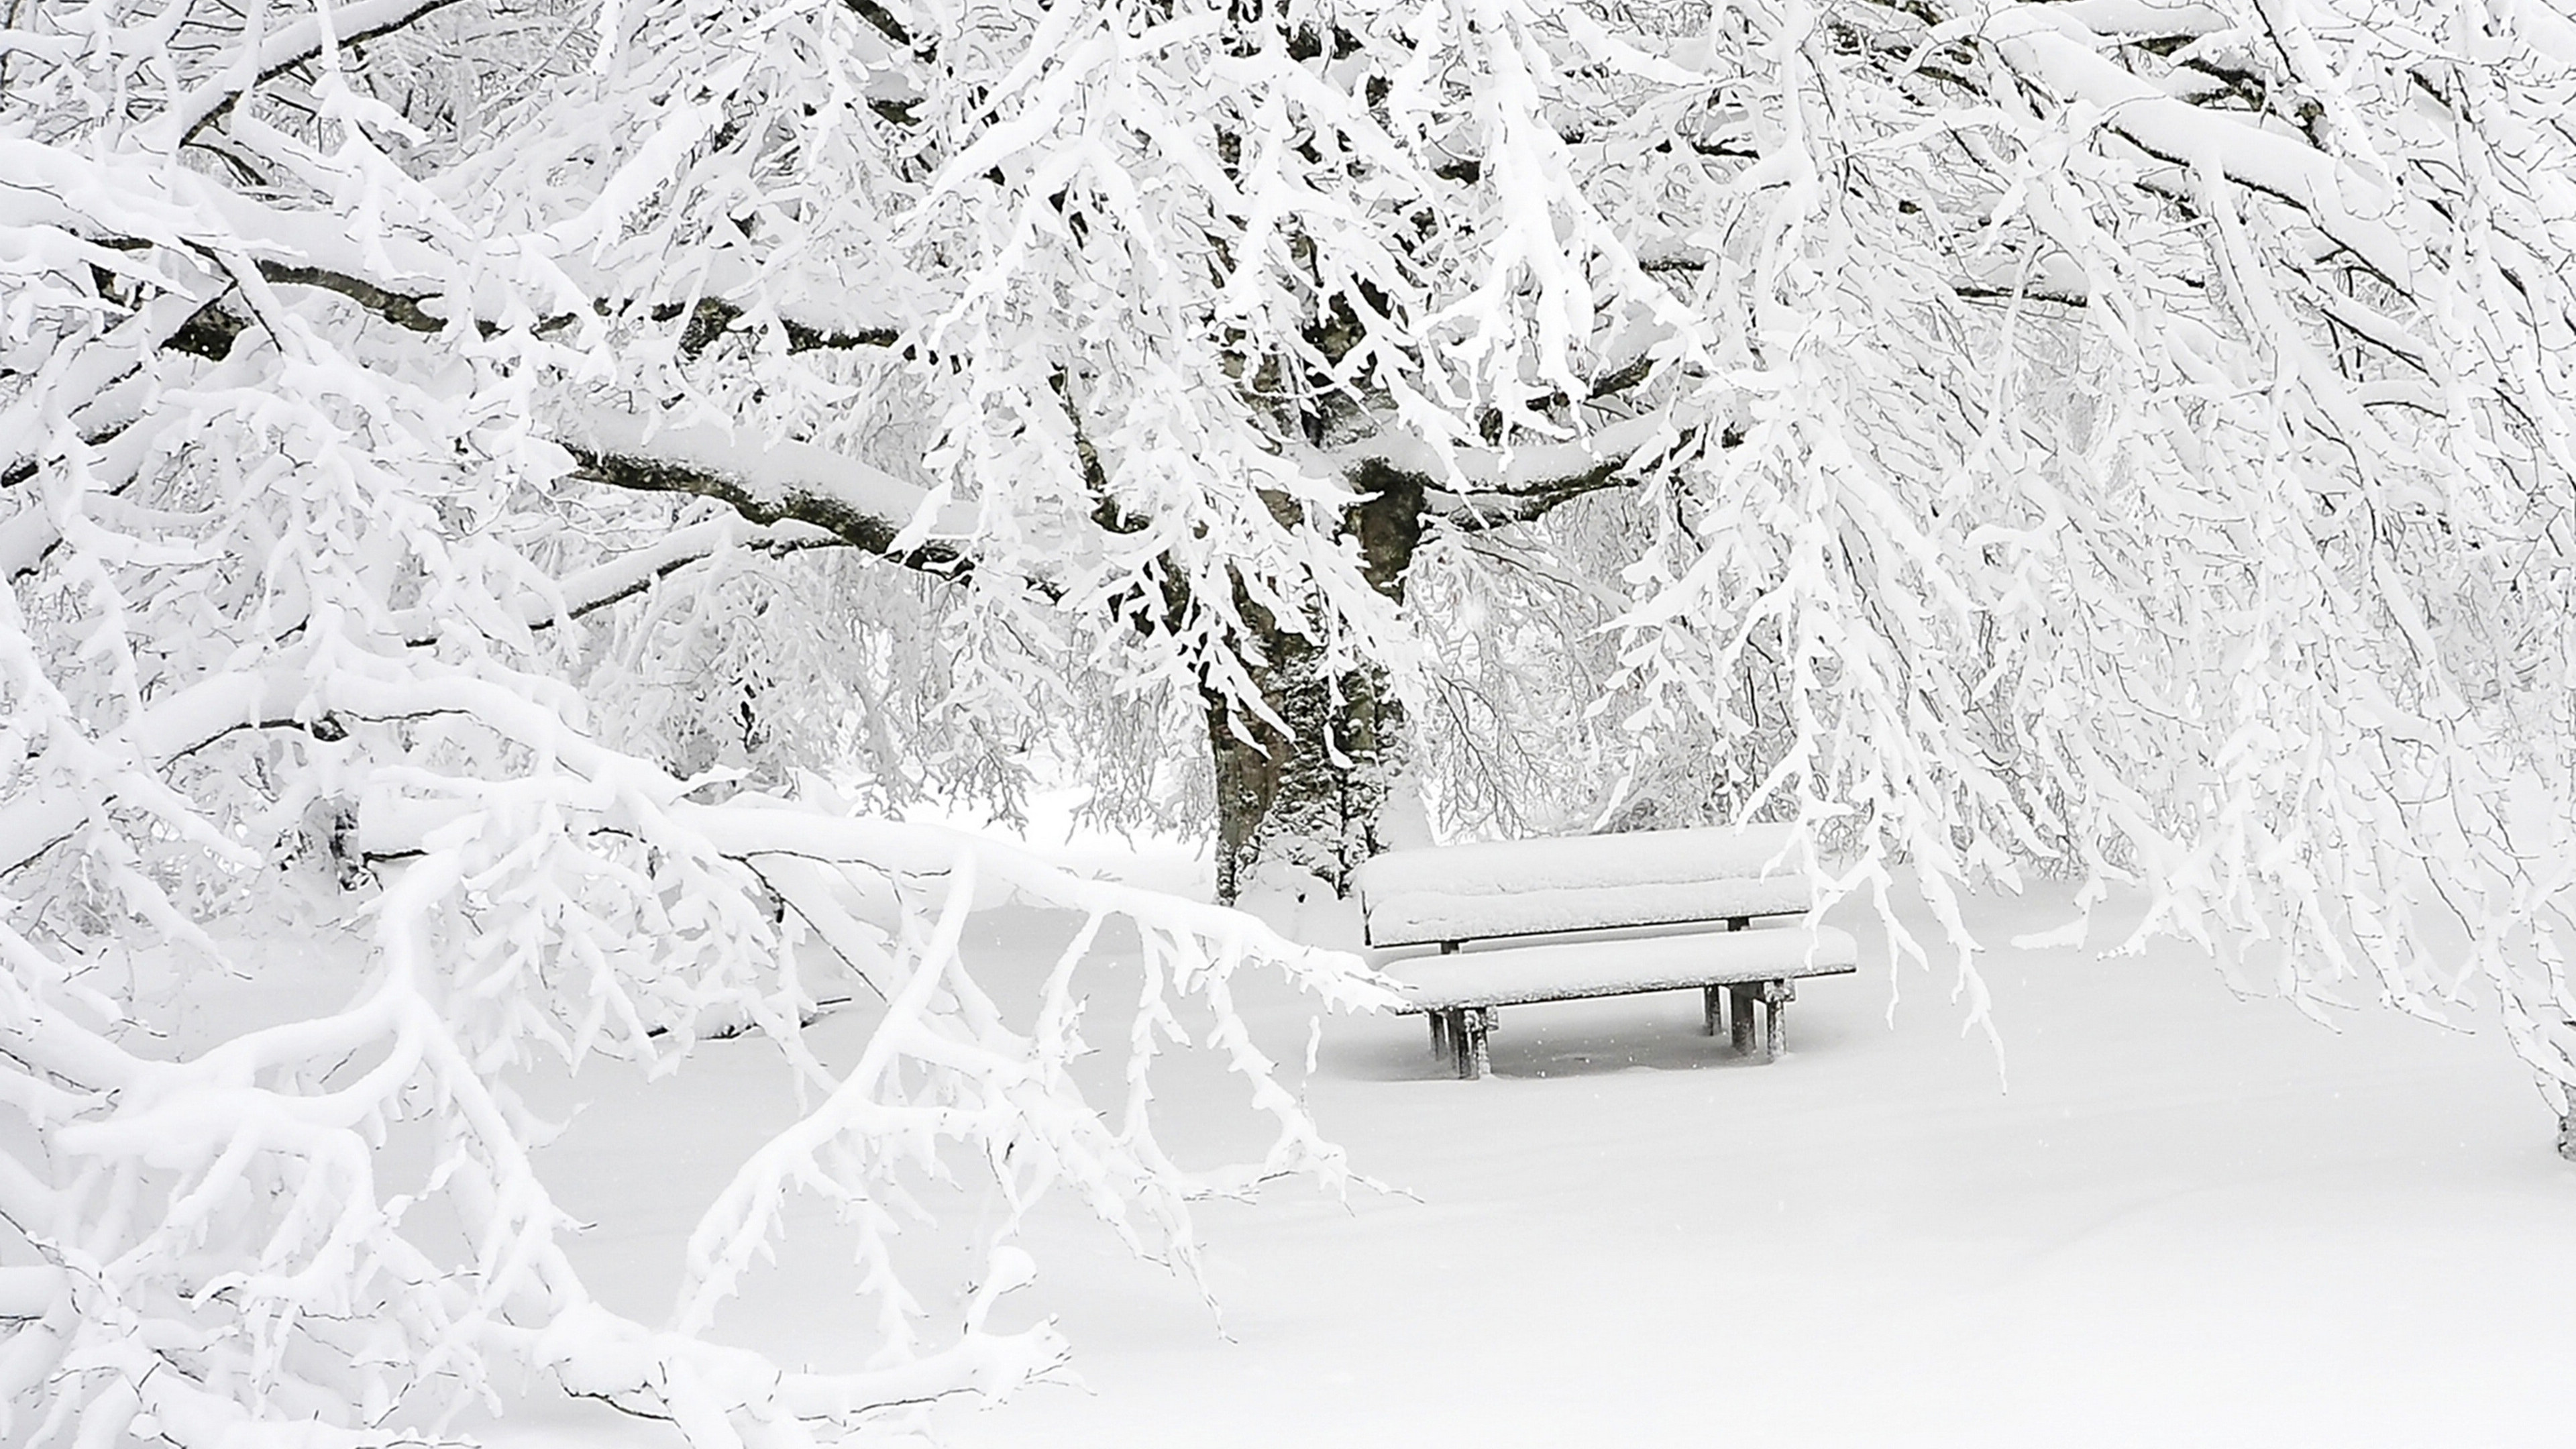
(2191, 1220)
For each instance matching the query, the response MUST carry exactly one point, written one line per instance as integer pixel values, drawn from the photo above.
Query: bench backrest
(1580, 883)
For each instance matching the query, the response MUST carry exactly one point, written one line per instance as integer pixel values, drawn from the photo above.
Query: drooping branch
(883, 20)
(1481, 509)
(292, 45)
(623, 577)
(712, 317)
(767, 483)
(2357, 214)
(709, 318)
(178, 724)
(1473, 489)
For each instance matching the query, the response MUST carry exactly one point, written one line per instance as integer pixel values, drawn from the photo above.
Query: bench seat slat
(1418, 917)
(1584, 860)
(1570, 970)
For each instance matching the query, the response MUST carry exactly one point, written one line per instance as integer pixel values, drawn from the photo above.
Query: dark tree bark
(1311, 795)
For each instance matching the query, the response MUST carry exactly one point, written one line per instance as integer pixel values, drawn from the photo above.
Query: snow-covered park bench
(1454, 896)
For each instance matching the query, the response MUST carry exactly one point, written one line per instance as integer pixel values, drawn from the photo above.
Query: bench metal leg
(1439, 1032)
(1714, 999)
(1739, 1003)
(1776, 996)
(1480, 1024)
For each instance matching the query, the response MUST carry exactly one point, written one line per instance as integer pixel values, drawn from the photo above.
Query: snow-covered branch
(781, 482)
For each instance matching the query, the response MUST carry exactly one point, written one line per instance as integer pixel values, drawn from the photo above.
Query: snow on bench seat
(1580, 883)
(1565, 971)
(1706, 877)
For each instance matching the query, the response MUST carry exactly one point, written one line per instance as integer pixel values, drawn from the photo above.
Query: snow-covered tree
(466, 457)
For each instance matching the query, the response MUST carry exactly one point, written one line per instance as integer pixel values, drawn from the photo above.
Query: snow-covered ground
(2191, 1220)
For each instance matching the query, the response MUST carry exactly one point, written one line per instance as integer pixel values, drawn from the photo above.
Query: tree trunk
(1311, 796)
